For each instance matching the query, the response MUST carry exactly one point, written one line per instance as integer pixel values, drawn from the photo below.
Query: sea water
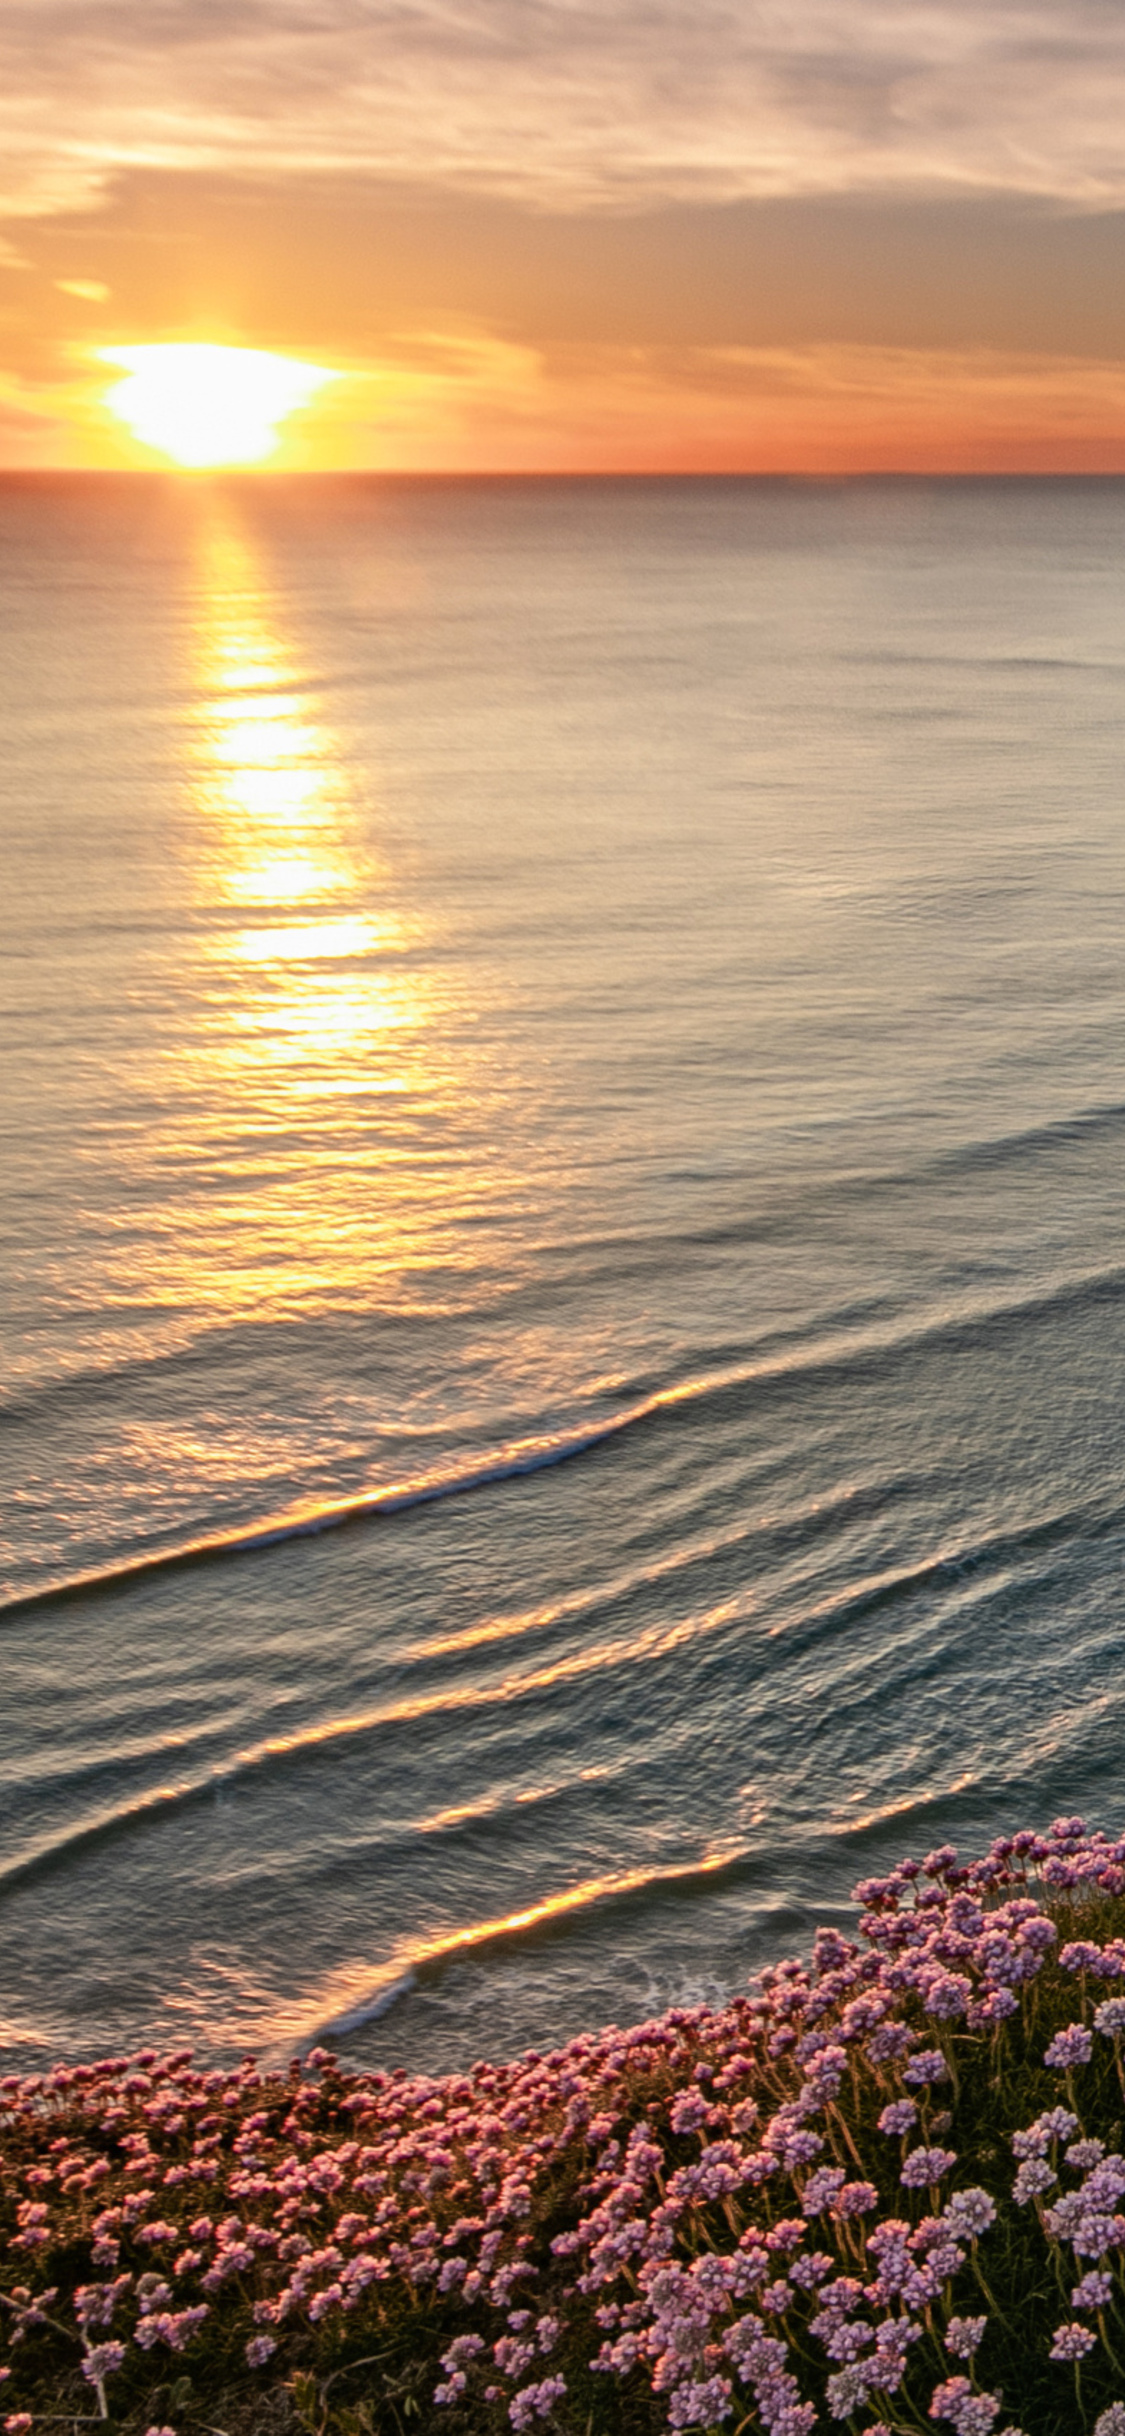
(563, 1235)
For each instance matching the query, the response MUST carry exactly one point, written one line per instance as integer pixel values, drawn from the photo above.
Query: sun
(209, 406)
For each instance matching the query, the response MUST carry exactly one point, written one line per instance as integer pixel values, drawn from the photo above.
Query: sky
(553, 236)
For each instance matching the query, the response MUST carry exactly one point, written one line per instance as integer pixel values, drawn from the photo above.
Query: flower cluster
(828, 2202)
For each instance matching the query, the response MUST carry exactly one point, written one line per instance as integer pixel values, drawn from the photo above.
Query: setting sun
(206, 405)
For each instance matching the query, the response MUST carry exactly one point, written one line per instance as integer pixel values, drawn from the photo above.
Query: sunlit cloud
(459, 398)
(569, 103)
(456, 403)
(490, 405)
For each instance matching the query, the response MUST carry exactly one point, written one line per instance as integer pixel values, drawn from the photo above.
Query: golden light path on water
(296, 1157)
(314, 1014)
(270, 788)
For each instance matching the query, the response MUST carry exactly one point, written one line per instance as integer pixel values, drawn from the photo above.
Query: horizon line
(809, 477)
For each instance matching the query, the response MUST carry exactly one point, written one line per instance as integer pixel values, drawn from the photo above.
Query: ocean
(563, 1212)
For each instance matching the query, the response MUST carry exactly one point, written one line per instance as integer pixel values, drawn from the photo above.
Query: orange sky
(528, 234)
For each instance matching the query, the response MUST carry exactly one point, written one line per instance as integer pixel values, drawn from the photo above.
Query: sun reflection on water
(280, 827)
(314, 1000)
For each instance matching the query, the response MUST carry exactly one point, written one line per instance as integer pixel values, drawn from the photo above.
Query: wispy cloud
(451, 402)
(564, 103)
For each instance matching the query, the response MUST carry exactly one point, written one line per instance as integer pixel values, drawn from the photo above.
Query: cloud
(567, 104)
(821, 410)
(328, 266)
(448, 401)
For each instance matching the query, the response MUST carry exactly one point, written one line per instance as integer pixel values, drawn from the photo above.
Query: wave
(511, 1462)
(842, 1350)
(978, 1567)
(428, 1958)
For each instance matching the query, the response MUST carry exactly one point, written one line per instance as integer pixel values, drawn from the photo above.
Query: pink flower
(1072, 2342)
(101, 2360)
(963, 2336)
(536, 2401)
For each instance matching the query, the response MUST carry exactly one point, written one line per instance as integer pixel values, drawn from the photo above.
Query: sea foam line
(510, 1462)
(375, 1990)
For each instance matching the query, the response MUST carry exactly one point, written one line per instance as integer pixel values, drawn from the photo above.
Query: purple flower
(260, 2349)
(821, 2189)
(464, 2347)
(947, 1995)
(925, 2069)
(1069, 2047)
(1056, 2124)
(970, 2212)
(970, 2414)
(688, 2112)
(899, 2118)
(1094, 2292)
(964, 2336)
(1034, 2177)
(691, 2406)
(1081, 1956)
(1084, 2155)
(938, 1864)
(801, 2148)
(925, 2166)
(847, 2391)
(1072, 2342)
(101, 2360)
(857, 2199)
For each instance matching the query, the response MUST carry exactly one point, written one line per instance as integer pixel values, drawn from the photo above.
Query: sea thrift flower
(970, 2212)
(537, 2401)
(857, 2199)
(925, 2166)
(821, 2189)
(344, 2194)
(1072, 2342)
(1094, 2292)
(924, 2070)
(1083, 2155)
(970, 2414)
(899, 2118)
(847, 2392)
(1069, 2047)
(102, 2360)
(963, 2336)
(1034, 2177)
